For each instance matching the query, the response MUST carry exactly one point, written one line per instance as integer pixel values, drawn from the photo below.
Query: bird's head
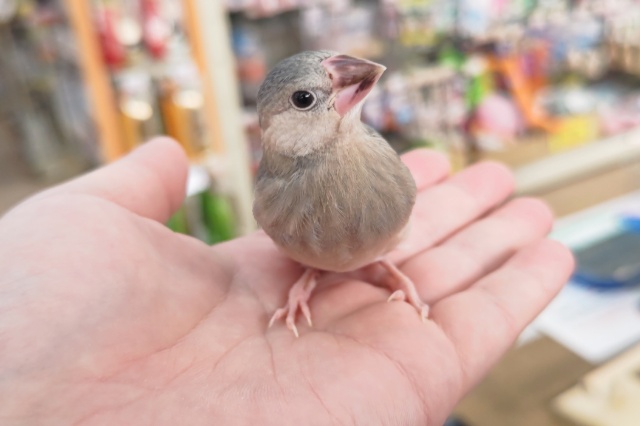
(307, 99)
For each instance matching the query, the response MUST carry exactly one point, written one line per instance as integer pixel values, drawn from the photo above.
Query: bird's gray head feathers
(307, 99)
(301, 71)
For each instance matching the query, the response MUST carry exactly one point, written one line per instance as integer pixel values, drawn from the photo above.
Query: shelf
(210, 37)
(573, 165)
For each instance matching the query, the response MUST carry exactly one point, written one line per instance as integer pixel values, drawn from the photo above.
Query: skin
(107, 317)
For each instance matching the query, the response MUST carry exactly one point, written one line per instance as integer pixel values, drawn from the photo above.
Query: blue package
(612, 262)
(631, 223)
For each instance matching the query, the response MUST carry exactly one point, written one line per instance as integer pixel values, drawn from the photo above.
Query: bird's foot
(299, 295)
(405, 290)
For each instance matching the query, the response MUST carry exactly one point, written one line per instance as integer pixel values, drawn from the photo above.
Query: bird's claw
(298, 297)
(277, 315)
(397, 296)
(424, 313)
(291, 325)
(290, 313)
(407, 292)
(307, 313)
(400, 296)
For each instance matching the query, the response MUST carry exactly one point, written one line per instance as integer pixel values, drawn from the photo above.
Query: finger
(479, 248)
(484, 321)
(447, 207)
(151, 181)
(427, 167)
(461, 260)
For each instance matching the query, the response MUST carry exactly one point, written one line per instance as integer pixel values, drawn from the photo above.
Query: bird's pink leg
(405, 289)
(298, 297)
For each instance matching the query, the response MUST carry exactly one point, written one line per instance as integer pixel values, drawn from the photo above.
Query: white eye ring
(303, 100)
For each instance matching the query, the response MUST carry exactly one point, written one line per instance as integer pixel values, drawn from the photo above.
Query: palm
(126, 320)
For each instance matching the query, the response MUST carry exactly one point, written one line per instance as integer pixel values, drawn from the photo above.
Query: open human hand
(108, 317)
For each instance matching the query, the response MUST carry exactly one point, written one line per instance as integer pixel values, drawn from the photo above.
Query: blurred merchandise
(137, 108)
(519, 81)
(153, 55)
(607, 396)
(183, 110)
(217, 213)
(477, 79)
(178, 222)
(208, 212)
(43, 100)
(611, 262)
(85, 82)
(597, 314)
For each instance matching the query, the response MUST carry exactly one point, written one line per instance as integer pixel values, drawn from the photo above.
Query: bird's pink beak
(352, 79)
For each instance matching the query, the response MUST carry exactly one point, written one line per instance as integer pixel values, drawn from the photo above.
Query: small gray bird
(330, 191)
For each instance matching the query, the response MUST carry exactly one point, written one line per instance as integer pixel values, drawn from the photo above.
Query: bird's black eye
(303, 99)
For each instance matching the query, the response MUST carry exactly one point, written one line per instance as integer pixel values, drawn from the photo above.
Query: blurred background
(551, 88)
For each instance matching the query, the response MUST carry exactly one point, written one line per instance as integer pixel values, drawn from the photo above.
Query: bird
(330, 191)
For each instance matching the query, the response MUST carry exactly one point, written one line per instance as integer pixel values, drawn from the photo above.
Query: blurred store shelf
(579, 163)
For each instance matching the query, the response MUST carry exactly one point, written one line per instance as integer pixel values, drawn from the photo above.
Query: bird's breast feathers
(337, 210)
